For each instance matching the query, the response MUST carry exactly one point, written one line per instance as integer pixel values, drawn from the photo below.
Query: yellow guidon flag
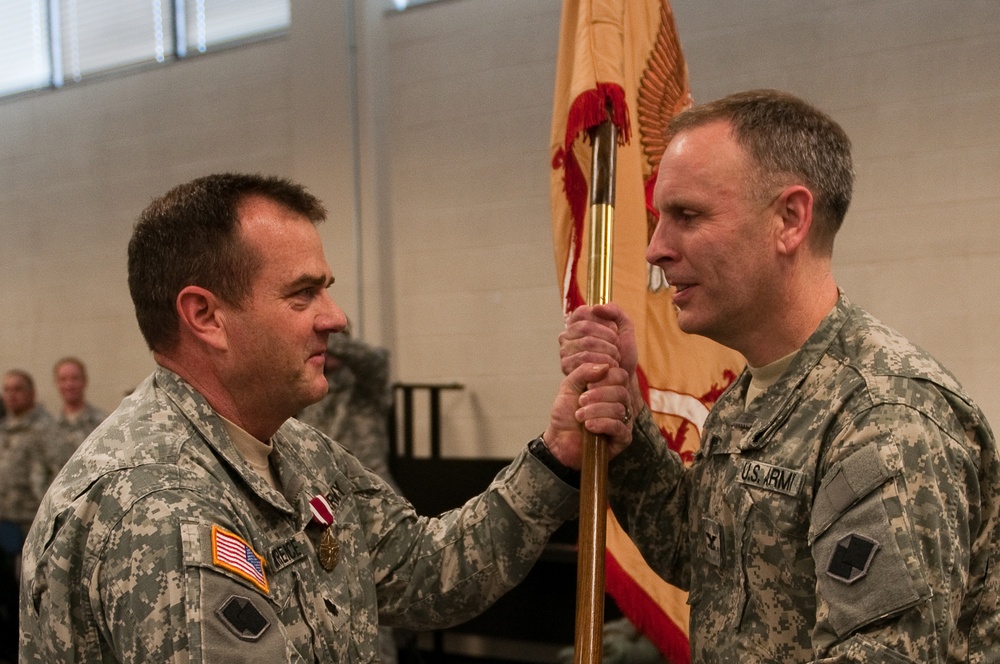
(625, 56)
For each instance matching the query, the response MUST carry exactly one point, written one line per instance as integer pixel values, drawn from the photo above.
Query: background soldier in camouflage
(24, 433)
(844, 504)
(199, 523)
(77, 418)
(24, 429)
(355, 410)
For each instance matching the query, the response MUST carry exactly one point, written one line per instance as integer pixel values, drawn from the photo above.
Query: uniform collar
(770, 410)
(209, 424)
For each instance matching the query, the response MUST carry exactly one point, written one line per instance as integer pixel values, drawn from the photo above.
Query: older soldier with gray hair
(200, 523)
(845, 503)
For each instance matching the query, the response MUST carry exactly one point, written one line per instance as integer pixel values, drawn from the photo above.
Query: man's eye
(684, 216)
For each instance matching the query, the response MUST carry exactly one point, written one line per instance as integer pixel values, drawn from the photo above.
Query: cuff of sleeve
(537, 493)
(538, 449)
(647, 453)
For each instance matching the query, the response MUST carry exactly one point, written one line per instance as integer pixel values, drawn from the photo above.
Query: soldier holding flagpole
(620, 64)
(202, 523)
(845, 503)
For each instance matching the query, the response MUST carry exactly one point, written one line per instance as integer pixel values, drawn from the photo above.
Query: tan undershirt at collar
(764, 377)
(254, 452)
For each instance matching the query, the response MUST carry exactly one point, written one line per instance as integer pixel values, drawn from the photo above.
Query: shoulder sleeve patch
(243, 618)
(231, 552)
(852, 556)
(861, 573)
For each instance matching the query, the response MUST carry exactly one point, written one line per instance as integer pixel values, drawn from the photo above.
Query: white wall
(457, 276)
(470, 89)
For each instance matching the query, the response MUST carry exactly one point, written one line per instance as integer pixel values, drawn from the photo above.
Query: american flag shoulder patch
(231, 552)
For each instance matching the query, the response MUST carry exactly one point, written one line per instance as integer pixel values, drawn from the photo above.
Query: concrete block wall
(477, 299)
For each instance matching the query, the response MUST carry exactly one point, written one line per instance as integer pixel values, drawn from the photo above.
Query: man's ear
(795, 207)
(201, 315)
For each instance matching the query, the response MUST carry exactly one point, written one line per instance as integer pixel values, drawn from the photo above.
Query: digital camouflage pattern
(23, 441)
(67, 434)
(121, 566)
(356, 409)
(849, 514)
(355, 413)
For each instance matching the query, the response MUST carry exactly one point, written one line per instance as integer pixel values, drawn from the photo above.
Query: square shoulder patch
(852, 556)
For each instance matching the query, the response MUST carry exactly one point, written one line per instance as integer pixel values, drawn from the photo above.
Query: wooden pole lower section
(594, 472)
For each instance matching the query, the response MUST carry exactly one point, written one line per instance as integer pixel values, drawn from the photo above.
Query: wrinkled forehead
(699, 158)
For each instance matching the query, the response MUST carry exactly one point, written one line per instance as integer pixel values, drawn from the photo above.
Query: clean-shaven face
(278, 337)
(713, 243)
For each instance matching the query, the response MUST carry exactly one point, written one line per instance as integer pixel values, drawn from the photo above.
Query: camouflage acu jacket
(850, 514)
(73, 431)
(157, 543)
(23, 445)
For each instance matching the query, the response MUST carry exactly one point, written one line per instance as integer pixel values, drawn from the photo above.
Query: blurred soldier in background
(24, 430)
(356, 409)
(77, 418)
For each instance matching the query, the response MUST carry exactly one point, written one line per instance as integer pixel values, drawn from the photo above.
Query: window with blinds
(51, 42)
(25, 52)
(211, 23)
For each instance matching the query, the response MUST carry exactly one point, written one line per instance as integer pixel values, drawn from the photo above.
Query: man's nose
(332, 319)
(661, 247)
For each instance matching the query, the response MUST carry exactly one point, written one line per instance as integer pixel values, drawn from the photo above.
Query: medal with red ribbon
(329, 547)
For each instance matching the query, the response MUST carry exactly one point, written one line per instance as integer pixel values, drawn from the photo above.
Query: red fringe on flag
(645, 613)
(588, 110)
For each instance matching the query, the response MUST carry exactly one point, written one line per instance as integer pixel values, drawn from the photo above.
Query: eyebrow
(311, 280)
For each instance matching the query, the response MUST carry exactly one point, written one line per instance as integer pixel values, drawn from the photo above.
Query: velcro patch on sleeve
(861, 573)
(231, 552)
(849, 482)
(243, 618)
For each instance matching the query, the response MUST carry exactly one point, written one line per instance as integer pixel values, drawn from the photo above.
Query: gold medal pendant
(329, 550)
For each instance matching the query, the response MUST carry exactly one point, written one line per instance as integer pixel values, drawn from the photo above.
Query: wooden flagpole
(594, 472)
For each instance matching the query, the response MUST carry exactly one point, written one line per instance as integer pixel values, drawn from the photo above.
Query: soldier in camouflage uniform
(77, 418)
(844, 504)
(199, 523)
(355, 410)
(24, 434)
(24, 430)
